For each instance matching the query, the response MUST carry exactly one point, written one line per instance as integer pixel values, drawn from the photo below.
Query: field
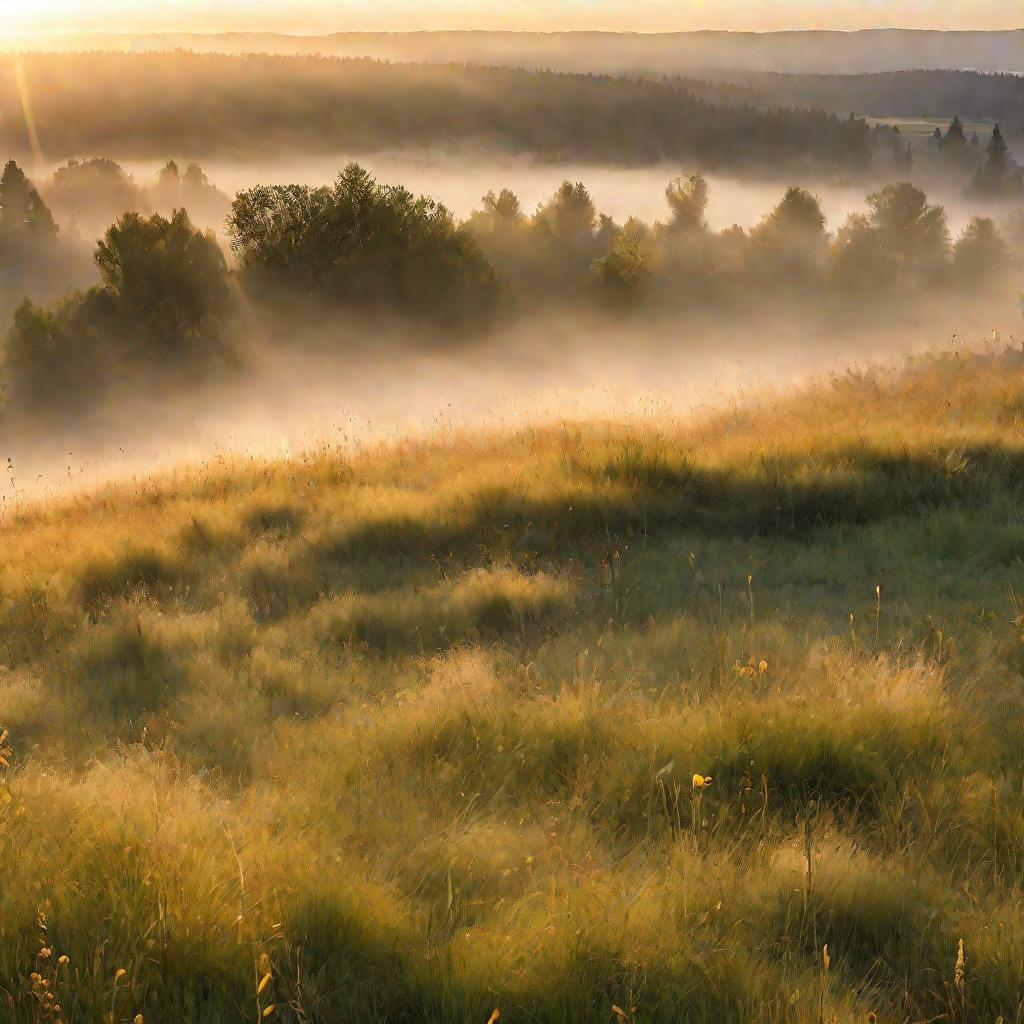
(426, 733)
(919, 131)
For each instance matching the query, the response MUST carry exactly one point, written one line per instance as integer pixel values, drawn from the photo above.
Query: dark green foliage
(903, 240)
(954, 155)
(502, 230)
(548, 257)
(695, 263)
(162, 305)
(166, 277)
(362, 244)
(569, 217)
(57, 358)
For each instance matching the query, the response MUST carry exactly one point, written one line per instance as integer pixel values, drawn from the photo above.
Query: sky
(310, 16)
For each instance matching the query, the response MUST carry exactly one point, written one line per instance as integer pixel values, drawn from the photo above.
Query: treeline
(169, 305)
(359, 243)
(906, 94)
(161, 311)
(84, 197)
(136, 105)
(671, 53)
(979, 161)
(90, 193)
(35, 257)
(994, 173)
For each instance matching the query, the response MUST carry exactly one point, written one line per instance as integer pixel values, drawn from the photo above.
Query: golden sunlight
(309, 17)
(510, 511)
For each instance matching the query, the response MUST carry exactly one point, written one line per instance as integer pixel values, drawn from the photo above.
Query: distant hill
(611, 52)
(135, 105)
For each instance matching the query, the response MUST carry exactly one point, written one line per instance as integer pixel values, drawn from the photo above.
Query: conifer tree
(993, 177)
(997, 151)
(21, 209)
(954, 137)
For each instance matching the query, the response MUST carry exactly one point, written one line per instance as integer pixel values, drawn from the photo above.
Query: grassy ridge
(414, 733)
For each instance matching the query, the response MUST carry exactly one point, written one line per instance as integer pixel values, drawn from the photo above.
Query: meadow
(582, 722)
(921, 130)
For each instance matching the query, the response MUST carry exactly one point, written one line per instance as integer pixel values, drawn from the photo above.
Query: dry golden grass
(424, 733)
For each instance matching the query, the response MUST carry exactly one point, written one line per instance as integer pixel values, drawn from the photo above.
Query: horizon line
(503, 31)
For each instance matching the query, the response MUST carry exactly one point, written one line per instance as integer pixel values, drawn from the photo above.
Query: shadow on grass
(653, 497)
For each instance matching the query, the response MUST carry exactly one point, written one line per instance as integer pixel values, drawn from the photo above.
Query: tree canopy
(362, 244)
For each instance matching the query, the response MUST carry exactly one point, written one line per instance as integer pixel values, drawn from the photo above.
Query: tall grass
(417, 736)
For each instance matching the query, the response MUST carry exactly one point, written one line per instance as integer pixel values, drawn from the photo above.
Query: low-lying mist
(361, 312)
(356, 383)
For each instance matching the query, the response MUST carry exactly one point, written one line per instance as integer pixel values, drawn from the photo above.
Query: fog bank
(387, 387)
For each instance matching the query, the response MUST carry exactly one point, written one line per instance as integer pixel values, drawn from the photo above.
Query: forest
(144, 105)
(914, 93)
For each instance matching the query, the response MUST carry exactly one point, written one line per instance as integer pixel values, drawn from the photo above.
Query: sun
(16, 17)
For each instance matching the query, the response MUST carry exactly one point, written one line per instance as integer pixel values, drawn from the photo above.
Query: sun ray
(21, 83)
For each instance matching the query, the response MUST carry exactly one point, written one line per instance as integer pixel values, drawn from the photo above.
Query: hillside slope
(414, 736)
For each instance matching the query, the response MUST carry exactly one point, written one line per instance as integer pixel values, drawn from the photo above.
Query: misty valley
(510, 526)
(188, 288)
